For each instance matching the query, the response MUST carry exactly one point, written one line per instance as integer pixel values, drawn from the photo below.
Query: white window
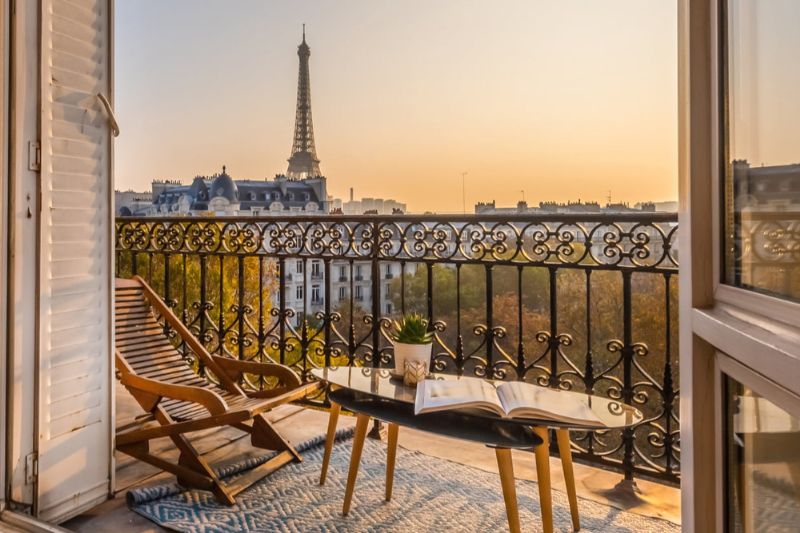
(315, 294)
(742, 300)
(359, 275)
(299, 292)
(299, 267)
(342, 273)
(315, 268)
(342, 293)
(359, 292)
(389, 308)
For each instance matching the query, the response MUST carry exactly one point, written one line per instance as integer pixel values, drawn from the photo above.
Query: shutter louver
(75, 385)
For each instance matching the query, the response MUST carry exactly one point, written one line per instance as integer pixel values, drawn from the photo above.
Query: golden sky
(561, 99)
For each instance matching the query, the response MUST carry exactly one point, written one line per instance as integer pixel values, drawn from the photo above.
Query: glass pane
(763, 463)
(762, 147)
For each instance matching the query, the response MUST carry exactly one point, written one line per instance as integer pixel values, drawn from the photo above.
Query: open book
(511, 399)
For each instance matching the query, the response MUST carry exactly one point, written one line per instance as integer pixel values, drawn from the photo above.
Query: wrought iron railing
(764, 252)
(583, 302)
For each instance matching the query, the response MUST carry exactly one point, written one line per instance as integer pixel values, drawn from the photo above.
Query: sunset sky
(563, 99)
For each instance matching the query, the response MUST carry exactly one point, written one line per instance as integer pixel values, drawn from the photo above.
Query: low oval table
(373, 393)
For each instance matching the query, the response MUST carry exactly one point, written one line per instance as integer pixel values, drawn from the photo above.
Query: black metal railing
(583, 302)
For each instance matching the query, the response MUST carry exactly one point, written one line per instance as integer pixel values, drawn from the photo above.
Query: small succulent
(412, 329)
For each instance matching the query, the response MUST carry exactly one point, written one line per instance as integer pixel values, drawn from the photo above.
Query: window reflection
(762, 121)
(763, 463)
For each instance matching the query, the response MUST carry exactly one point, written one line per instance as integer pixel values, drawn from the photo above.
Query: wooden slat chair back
(180, 401)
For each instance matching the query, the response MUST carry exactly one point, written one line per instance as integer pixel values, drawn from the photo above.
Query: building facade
(579, 207)
(305, 286)
(771, 188)
(374, 206)
(129, 202)
(221, 195)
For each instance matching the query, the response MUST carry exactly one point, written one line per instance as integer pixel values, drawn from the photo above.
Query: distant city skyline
(403, 104)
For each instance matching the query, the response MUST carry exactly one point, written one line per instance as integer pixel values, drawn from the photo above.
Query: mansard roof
(247, 193)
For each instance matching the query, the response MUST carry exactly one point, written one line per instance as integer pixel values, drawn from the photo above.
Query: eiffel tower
(303, 162)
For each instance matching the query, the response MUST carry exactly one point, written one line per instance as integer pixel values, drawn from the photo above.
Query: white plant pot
(410, 352)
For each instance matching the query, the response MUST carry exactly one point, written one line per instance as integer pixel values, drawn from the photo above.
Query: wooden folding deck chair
(180, 401)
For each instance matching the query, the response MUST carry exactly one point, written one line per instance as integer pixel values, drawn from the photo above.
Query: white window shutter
(75, 385)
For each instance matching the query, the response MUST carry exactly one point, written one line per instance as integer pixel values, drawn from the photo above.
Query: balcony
(300, 424)
(582, 302)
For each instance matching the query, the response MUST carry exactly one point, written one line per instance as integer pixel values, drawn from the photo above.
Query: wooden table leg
(326, 458)
(542, 454)
(506, 467)
(391, 453)
(362, 421)
(565, 452)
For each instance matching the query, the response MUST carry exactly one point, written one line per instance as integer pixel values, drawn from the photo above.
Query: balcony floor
(299, 424)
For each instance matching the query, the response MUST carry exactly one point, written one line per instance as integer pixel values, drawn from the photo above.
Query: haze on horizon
(564, 99)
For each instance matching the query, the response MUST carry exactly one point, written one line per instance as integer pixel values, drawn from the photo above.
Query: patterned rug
(429, 495)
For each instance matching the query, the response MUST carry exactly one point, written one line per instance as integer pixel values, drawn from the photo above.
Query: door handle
(112, 119)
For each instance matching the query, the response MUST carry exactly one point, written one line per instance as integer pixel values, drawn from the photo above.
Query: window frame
(316, 295)
(757, 331)
(760, 304)
(726, 366)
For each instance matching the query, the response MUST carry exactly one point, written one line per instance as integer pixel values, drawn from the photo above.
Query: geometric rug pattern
(429, 495)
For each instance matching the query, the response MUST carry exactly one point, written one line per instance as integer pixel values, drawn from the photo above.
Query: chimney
(351, 194)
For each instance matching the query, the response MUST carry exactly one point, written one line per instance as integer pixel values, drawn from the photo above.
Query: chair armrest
(151, 391)
(293, 392)
(234, 368)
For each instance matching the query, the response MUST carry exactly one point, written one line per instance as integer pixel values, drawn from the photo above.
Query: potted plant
(412, 341)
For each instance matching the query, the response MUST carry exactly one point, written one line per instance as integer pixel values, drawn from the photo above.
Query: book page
(437, 395)
(523, 400)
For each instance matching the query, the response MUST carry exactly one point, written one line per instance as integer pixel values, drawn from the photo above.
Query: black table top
(378, 382)
(496, 433)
